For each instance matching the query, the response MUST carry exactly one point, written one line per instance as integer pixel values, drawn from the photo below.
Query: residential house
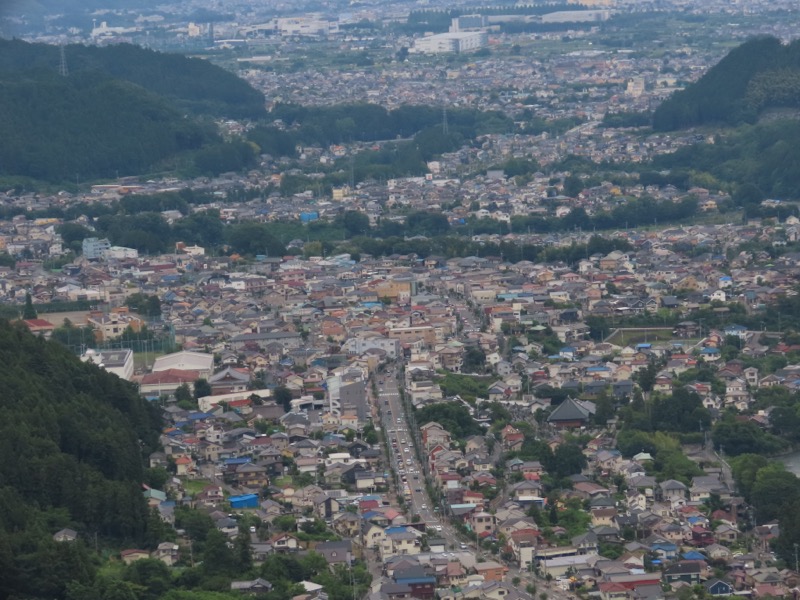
(491, 570)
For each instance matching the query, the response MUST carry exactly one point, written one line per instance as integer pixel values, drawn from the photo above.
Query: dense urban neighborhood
(453, 427)
(477, 302)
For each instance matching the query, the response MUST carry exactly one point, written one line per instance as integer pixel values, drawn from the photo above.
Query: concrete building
(361, 345)
(119, 253)
(200, 362)
(576, 16)
(451, 42)
(468, 23)
(305, 27)
(119, 362)
(93, 248)
(112, 325)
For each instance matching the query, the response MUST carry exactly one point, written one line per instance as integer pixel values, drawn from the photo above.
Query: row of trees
(343, 123)
(136, 224)
(217, 563)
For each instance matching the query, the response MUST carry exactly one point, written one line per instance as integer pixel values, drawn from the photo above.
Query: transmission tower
(445, 129)
(62, 66)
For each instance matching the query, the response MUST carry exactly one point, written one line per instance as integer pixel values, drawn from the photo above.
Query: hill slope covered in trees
(122, 110)
(760, 74)
(192, 84)
(72, 438)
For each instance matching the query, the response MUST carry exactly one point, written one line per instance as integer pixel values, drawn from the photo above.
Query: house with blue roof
(662, 547)
(421, 581)
(199, 416)
(717, 587)
(568, 353)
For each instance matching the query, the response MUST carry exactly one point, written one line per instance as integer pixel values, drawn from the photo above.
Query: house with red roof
(512, 438)
(40, 326)
(184, 465)
(610, 590)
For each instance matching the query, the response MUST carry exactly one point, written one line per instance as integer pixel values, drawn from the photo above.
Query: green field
(143, 360)
(195, 486)
(627, 337)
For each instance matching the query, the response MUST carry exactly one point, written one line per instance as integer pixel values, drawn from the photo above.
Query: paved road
(404, 461)
(399, 438)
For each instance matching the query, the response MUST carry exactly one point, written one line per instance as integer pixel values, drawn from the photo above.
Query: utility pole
(62, 66)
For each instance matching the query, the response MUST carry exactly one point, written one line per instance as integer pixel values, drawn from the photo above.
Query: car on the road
(463, 546)
(418, 490)
(424, 505)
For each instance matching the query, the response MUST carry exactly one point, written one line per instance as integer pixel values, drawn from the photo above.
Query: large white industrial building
(455, 42)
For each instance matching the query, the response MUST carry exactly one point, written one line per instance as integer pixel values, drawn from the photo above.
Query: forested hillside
(762, 73)
(760, 160)
(122, 110)
(191, 84)
(86, 127)
(72, 438)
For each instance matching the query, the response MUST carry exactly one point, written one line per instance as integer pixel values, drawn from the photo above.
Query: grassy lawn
(282, 481)
(643, 336)
(145, 359)
(195, 486)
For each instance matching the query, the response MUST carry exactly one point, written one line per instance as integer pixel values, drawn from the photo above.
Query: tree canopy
(72, 436)
(761, 73)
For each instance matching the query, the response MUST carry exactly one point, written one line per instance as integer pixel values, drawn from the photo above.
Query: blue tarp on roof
(244, 501)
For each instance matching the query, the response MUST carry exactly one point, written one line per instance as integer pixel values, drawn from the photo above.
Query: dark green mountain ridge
(760, 74)
(121, 110)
